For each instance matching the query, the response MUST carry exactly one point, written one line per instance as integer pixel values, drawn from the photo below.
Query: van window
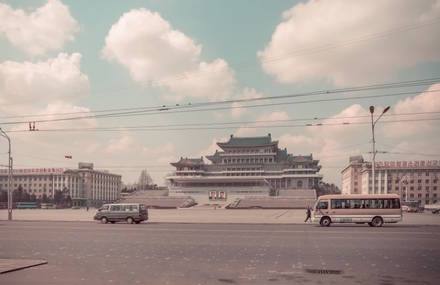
(104, 208)
(130, 208)
(115, 208)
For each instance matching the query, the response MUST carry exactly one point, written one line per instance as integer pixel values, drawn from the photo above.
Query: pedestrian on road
(308, 215)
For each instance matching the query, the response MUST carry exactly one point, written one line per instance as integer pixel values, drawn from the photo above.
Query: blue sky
(69, 56)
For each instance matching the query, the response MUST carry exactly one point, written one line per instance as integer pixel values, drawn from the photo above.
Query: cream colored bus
(372, 209)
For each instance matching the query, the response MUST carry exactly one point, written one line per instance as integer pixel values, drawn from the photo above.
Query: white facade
(251, 166)
(413, 180)
(82, 184)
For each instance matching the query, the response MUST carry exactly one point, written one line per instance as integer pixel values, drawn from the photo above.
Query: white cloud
(331, 145)
(210, 150)
(156, 54)
(149, 47)
(424, 102)
(214, 81)
(47, 28)
(271, 118)
(165, 149)
(298, 144)
(247, 93)
(28, 87)
(351, 42)
(124, 144)
(262, 120)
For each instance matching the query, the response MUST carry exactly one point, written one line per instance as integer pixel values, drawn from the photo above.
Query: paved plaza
(172, 253)
(200, 215)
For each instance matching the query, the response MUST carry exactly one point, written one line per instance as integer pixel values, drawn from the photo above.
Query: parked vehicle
(434, 208)
(47, 206)
(372, 209)
(27, 205)
(128, 212)
(412, 206)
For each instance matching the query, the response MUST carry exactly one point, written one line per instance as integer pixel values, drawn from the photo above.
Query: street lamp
(373, 123)
(404, 179)
(3, 134)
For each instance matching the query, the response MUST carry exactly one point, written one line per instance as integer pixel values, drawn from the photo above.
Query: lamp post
(404, 179)
(373, 123)
(3, 134)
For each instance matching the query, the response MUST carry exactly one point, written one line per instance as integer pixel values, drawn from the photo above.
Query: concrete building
(245, 166)
(412, 180)
(351, 176)
(84, 185)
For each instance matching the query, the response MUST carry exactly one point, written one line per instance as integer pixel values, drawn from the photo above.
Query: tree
(3, 195)
(58, 197)
(44, 199)
(327, 188)
(145, 181)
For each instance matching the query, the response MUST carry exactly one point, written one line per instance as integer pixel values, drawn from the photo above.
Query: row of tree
(61, 198)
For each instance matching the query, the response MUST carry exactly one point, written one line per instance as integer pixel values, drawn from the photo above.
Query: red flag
(68, 156)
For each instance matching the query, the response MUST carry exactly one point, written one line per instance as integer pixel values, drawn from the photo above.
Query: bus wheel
(325, 222)
(129, 220)
(377, 222)
(104, 220)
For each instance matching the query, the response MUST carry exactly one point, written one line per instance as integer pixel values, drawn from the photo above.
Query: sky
(132, 85)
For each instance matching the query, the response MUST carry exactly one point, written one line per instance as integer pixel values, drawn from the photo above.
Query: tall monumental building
(245, 166)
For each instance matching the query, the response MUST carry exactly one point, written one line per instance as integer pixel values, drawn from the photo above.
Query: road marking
(128, 228)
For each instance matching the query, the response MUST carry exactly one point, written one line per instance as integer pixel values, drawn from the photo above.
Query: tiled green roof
(248, 141)
(189, 162)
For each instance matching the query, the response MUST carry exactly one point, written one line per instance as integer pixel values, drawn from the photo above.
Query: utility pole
(3, 134)
(373, 123)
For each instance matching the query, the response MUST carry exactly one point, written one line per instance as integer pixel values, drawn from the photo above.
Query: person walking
(308, 215)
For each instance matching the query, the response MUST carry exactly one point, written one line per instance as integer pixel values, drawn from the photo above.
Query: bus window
(366, 204)
(336, 204)
(356, 203)
(322, 205)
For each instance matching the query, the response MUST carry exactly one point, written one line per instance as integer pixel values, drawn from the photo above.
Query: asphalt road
(93, 253)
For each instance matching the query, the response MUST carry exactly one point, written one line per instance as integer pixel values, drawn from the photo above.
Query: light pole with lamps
(3, 134)
(373, 123)
(405, 180)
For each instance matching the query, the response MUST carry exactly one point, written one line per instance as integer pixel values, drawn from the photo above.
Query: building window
(299, 183)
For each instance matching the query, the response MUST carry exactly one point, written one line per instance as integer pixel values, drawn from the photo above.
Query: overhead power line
(163, 108)
(235, 124)
(198, 128)
(167, 110)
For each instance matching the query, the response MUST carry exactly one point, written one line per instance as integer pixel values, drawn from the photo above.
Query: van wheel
(370, 224)
(377, 222)
(104, 220)
(130, 220)
(325, 222)
(137, 222)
